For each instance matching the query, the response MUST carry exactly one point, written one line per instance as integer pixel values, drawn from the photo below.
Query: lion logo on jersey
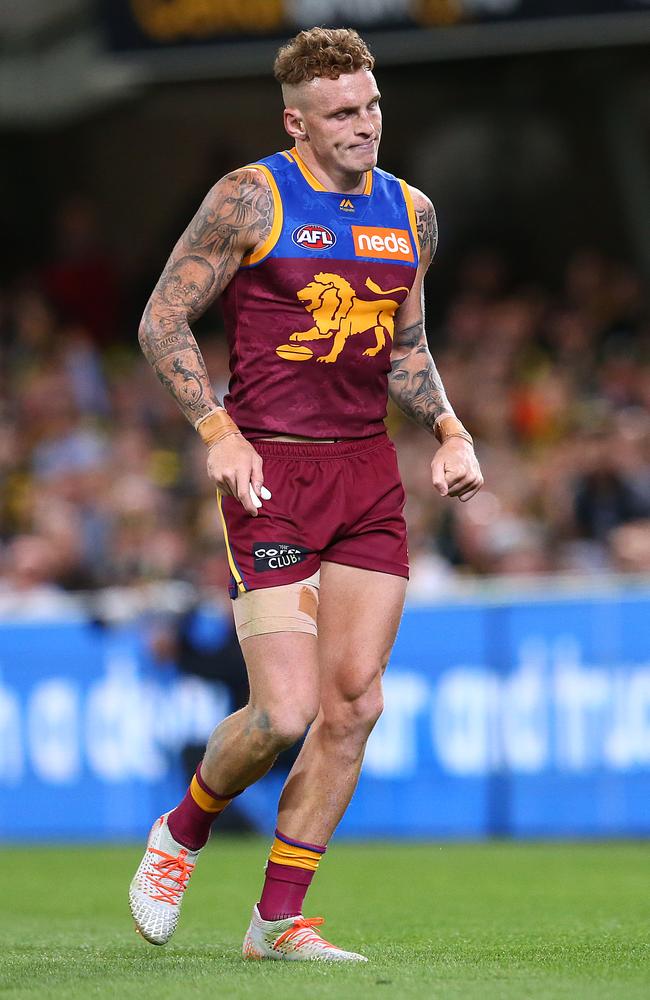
(338, 312)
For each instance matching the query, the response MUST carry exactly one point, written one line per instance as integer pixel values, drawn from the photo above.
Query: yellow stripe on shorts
(241, 586)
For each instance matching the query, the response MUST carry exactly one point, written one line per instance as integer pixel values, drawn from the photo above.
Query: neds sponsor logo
(375, 241)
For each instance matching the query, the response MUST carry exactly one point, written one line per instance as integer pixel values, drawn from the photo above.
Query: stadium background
(518, 697)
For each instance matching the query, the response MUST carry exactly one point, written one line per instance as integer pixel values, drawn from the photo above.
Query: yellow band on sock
(205, 801)
(294, 857)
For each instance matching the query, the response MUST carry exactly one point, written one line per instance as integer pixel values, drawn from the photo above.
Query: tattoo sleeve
(427, 225)
(413, 382)
(236, 215)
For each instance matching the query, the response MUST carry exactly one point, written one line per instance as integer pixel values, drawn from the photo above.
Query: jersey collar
(314, 183)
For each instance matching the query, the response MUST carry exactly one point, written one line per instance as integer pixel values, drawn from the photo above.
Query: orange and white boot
(293, 939)
(159, 884)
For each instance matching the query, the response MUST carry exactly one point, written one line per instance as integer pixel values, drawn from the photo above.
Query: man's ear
(294, 124)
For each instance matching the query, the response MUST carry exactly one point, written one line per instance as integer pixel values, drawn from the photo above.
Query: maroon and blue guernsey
(310, 315)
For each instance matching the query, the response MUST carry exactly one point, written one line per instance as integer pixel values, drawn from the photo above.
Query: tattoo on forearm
(410, 336)
(413, 382)
(172, 343)
(177, 361)
(236, 216)
(427, 230)
(186, 377)
(190, 388)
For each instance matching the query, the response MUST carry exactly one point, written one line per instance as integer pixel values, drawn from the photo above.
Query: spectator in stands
(81, 279)
(28, 580)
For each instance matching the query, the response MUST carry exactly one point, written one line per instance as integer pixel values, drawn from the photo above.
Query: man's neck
(337, 181)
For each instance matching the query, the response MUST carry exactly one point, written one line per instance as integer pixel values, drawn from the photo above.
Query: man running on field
(319, 258)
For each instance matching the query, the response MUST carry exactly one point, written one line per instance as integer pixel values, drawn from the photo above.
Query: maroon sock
(285, 885)
(190, 822)
(284, 891)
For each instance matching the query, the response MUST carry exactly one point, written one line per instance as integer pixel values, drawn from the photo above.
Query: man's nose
(365, 125)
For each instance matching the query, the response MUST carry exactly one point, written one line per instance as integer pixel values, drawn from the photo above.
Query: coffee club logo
(313, 237)
(277, 555)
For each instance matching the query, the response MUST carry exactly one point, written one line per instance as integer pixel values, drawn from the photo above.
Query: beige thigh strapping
(290, 608)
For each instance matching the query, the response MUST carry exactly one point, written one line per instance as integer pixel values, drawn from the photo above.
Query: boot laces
(301, 933)
(169, 876)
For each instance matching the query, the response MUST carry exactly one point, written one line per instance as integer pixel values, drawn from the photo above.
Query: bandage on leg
(290, 608)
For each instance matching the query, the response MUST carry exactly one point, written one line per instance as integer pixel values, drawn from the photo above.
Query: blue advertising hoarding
(91, 730)
(510, 717)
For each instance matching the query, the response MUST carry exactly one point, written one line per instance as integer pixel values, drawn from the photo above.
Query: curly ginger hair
(319, 52)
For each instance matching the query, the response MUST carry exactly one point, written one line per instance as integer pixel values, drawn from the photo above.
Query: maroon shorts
(339, 503)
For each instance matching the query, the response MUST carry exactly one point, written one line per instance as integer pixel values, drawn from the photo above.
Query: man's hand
(455, 470)
(235, 467)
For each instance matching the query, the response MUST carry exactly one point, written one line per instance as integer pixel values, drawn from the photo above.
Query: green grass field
(440, 921)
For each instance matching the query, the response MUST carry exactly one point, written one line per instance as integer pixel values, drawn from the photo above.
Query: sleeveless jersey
(310, 315)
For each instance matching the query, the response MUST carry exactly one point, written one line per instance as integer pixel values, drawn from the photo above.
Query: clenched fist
(455, 470)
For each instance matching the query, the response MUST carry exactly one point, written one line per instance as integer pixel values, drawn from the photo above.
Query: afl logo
(313, 237)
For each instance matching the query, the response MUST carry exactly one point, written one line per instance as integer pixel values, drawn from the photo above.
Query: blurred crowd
(555, 387)
(103, 483)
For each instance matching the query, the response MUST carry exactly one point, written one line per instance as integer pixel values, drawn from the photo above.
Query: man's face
(342, 120)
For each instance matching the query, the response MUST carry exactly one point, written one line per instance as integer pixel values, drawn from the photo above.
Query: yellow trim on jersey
(241, 587)
(315, 183)
(287, 155)
(305, 171)
(278, 214)
(411, 213)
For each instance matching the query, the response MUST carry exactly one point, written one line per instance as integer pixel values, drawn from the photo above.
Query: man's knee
(276, 729)
(353, 713)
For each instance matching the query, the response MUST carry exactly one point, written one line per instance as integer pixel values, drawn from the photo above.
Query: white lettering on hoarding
(638, 691)
(12, 758)
(120, 725)
(525, 713)
(197, 709)
(53, 731)
(582, 697)
(463, 718)
(551, 713)
(392, 750)
(123, 727)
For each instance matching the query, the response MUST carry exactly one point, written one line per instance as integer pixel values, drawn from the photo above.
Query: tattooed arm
(235, 218)
(414, 383)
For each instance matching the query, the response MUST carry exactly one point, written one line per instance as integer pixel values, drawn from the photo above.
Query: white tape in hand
(266, 495)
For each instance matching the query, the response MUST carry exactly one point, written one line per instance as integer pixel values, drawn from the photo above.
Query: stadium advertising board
(142, 24)
(523, 718)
